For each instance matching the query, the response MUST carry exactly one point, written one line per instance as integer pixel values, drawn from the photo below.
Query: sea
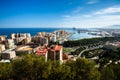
(34, 31)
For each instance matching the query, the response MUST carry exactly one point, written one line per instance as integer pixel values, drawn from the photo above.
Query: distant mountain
(113, 27)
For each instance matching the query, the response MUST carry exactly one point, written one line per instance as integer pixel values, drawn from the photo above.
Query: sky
(59, 13)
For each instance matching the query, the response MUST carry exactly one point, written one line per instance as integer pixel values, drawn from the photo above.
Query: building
(13, 36)
(26, 40)
(18, 40)
(34, 46)
(112, 46)
(8, 54)
(72, 57)
(40, 40)
(24, 49)
(55, 53)
(3, 38)
(54, 38)
(41, 51)
(9, 43)
(2, 47)
(42, 34)
(62, 32)
(18, 35)
(21, 38)
(5, 61)
(28, 35)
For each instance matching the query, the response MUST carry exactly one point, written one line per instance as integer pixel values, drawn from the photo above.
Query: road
(97, 47)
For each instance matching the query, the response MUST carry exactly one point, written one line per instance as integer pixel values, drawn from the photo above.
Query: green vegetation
(111, 55)
(87, 54)
(89, 42)
(31, 67)
(108, 55)
(0, 56)
(105, 55)
(92, 53)
(77, 51)
(66, 50)
(111, 72)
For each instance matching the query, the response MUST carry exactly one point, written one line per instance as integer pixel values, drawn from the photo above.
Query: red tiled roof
(41, 51)
(55, 48)
(58, 48)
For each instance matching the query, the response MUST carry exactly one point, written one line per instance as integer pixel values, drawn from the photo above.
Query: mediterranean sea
(34, 31)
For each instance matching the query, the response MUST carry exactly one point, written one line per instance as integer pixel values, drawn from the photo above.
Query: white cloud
(87, 15)
(96, 19)
(109, 10)
(66, 16)
(92, 1)
(77, 10)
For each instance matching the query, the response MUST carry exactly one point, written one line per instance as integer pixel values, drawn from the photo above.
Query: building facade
(8, 54)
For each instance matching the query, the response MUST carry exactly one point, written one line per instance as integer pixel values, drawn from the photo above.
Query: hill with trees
(31, 67)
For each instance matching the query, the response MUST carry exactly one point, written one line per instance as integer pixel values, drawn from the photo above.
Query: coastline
(33, 31)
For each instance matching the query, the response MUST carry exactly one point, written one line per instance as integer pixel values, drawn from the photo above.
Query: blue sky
(59, 13)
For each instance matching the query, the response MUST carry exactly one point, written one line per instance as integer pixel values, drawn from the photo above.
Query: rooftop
(41, 51)
(8, 51)
(55, 48)
(23, 48)
(117, 44)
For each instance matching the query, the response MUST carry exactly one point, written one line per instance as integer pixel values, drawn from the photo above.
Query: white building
(27, 40)
(3, 38)
(9, 43)
(5, 61)
(28, 35)
(21, 38)
(43, 34)
(57, 33)
(13, 36)
(8, 54)
(2, 47)
(54, 38)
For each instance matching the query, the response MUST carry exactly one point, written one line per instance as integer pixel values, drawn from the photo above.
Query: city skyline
(59, 13)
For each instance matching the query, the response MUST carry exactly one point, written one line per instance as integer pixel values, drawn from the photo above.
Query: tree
(81, 69)
(72, 66)
(42, 69)
(59, 71)
(30, 67)
(107, 74)
(86, 70)
(116, 70)
(5, 71)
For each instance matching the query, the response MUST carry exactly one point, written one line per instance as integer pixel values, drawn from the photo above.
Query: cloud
(109, 10)
(92, 22)
(92, 1)
(97, 19)
(100, 18)
(66, 16)
(87, 15)
(77, 10)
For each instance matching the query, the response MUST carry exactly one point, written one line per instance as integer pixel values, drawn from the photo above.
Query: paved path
(100, 46)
